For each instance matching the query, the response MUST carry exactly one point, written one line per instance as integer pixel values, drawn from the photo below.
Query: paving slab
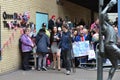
(81, 74)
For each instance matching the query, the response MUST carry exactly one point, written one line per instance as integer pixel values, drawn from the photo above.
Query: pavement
(81, 74)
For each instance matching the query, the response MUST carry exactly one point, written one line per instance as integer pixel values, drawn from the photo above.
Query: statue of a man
(111, 51)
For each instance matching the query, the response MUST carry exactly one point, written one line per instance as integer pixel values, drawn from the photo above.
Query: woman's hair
(53, 28)
(75, 30)
(25, 30)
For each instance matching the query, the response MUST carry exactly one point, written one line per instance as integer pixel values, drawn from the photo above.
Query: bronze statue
(110, 49)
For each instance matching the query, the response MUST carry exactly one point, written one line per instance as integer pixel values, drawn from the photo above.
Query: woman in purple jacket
(27, 46)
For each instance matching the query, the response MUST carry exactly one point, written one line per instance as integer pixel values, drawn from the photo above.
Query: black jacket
(51, 24)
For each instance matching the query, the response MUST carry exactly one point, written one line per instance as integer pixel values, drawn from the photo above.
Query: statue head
(106, 18)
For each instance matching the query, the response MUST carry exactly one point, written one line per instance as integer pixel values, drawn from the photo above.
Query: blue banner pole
(119, 17)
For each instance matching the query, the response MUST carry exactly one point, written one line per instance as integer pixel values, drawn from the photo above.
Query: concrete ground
(81, 74)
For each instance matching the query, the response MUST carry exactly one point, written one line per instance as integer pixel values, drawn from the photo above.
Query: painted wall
(10, 54)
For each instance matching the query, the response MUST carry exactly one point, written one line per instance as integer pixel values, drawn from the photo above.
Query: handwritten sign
(91, 55)
(81, 48)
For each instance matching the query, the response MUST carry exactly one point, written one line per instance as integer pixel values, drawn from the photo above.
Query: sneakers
(68, 72)
(44, 68)
(39, 69)
(54, 68)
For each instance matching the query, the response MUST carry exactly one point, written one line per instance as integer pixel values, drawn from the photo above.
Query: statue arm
(109, 5)
(103, 14)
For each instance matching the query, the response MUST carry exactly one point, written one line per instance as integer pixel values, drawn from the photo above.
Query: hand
(57, 38)
(48, 48)
(33, 46)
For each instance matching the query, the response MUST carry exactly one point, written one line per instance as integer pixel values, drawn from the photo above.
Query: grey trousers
(41, 61)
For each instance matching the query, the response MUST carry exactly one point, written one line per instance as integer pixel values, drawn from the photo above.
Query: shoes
(27, 69)
(59, 69)
(39, 69)
(54, 68)
(68, 72)
(44, 68)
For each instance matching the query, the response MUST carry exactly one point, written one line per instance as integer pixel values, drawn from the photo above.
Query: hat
(53, 16)
(43, 25)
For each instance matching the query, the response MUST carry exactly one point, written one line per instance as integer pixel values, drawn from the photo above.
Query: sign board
(81, 48)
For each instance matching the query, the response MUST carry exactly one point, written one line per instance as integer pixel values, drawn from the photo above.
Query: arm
(25, 41)
(48, 41)
(103, 14)
(109, 5)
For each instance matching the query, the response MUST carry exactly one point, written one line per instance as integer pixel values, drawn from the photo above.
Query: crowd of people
(58, 39)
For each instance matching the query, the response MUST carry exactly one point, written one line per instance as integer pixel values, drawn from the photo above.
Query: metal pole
(119, 17)
(99, 58)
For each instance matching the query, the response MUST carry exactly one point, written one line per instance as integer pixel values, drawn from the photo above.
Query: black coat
(51, 24)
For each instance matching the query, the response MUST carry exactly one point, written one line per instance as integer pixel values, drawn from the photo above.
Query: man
(66, 46)
(51, 23)
(47, 32)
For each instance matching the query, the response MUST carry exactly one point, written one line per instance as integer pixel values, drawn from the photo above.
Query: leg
(63, 59)
(54, 60)
(58, 60)
(66, 57)
(68, 60)
(35, 61)
(44, 63)
(39, 61)
(113, 69)
(112, 52)
(26, 60)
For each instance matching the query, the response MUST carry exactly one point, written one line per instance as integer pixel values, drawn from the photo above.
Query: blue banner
(81, 48)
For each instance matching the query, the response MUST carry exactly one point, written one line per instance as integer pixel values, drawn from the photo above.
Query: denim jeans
(67, 59)
(41, 61)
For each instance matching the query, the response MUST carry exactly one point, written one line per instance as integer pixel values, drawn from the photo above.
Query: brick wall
(10, 55)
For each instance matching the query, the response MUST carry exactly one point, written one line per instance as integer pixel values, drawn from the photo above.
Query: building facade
(10, 56)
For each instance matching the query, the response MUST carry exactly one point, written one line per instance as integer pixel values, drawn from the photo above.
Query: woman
(27, 46)
(42, 43)
(54, 39)
(75, 37)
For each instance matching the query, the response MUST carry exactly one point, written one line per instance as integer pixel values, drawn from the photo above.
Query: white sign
(81, 48)
(91, 55)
